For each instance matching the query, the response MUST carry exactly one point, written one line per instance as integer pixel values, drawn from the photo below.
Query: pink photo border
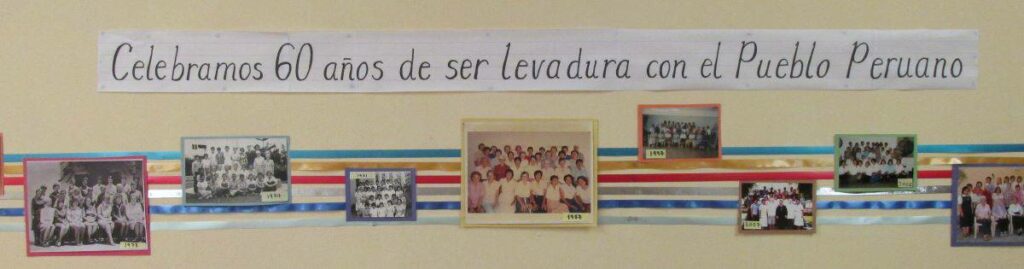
(145, 191)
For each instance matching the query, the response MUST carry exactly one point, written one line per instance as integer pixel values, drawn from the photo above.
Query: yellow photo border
(463, 182)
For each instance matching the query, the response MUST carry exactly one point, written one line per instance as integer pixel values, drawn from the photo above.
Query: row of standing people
(988, 209)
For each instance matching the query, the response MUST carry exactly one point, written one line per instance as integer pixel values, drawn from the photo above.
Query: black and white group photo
(679, 132)
(83, 205)
(777, 206)
(235, 170)
(380, 194)
(989, 207)
(875, 162)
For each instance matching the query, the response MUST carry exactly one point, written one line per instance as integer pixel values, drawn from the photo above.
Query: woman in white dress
(764, 214)
(553, 197)
(506, 196)
(798, 210)
(523, 186)
(136, 218)
(75, 217)
(104, 219)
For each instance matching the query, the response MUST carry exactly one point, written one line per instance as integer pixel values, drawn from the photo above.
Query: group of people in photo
(385, 196)
(681, 134)
(777, 207)
(987, 209)
(875, 163)
(235, 169)
(87, 205)
(529, 179)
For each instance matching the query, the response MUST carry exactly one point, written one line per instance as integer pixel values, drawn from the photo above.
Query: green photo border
(835, 164)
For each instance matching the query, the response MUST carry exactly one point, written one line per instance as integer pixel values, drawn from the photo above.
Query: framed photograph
(380, 194)
(875, 162)
(236, 170)
(988, 205)
(678, 132)
(529, 172)
(86, 206)
(777, 207)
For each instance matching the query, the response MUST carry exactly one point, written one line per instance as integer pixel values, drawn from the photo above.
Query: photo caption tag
(655, 154)
(572, 217)
(905, 183)
(751, 225)
(133, 245)
(273, 196)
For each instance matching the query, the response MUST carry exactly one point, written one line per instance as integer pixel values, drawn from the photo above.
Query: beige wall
(49, 103)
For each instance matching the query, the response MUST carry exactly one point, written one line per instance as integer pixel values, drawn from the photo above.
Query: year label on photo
(133, 245)
(273, 197)
(905, 183)
(572, 217)
(655, 154)
(751, 225)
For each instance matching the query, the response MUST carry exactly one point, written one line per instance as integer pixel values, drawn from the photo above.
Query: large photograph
(380, 194)
(529, 172)
(988, 205)
(674, 132)
(235, 170)
(776, 206)
(86, 206)
(865, 163)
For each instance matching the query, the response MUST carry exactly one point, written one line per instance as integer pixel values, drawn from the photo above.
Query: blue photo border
(348, 195)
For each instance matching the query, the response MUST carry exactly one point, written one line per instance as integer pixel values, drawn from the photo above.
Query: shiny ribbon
(454, 153)
(603, 166)
(604, 204)
(943, 189)
(604, 191)
(603, 178)
(602, 220)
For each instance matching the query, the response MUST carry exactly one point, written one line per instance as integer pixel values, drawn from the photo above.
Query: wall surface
(49, 103)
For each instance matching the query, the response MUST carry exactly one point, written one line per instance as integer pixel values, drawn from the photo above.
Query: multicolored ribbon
(455, 153)
(602, 220)
(603, 204)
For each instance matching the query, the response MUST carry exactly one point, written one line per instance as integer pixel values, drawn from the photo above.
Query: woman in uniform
(506, 195)
(553, 197)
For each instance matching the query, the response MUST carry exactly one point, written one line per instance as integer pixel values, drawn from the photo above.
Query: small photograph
(777, 206)
(89, 206)
(674, 132)
(235, 170)
(866, 163)
(988, 205)
(380, 194)
(529, 173)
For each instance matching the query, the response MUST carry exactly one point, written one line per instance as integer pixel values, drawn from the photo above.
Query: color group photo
(777, 206)
(673, 132)
(528, 172)
(989, 205)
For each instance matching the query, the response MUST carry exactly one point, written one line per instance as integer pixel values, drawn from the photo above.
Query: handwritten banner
(536, 60)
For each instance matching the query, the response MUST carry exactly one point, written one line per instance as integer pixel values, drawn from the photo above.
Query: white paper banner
(536, 60)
